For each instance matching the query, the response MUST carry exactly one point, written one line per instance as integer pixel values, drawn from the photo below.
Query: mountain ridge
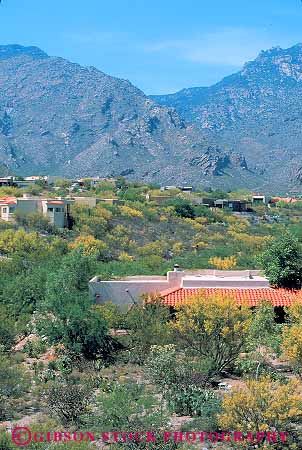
(59, 117)
(257, 111)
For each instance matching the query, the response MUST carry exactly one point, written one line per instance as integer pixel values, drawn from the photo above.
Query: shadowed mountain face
(57, 117)
(257, 112)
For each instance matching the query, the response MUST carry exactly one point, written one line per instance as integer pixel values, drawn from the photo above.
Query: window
(58, 209)
(4, 210)
(50, 209)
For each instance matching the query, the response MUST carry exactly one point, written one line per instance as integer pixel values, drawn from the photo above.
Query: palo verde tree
(282, 262)
(264, 406)
(214, 328)
(291, 344)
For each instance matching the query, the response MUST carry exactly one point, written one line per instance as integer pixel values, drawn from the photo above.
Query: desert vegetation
(63, 366)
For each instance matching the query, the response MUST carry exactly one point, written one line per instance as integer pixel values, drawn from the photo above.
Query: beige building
(158, 199)
(91, 202)
(57, 210)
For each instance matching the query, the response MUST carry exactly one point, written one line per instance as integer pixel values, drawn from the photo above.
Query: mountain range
(57, 117)
(257, 112)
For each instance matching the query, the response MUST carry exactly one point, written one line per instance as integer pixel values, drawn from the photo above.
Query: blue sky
(161, 46)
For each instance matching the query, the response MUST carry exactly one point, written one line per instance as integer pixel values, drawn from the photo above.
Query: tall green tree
(67, 315)
(282, 262)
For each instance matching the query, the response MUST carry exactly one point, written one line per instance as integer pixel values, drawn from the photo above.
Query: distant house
(29, 181)
(259, 200)
(188, 189)
(168, 188)
(234, 205)
(91, 202)
(158, 199)
(202, 201)
(289, 200)
(95, 181)
(57, 210)
(6, 181)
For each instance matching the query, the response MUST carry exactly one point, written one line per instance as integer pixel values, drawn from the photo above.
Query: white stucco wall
(129, 291)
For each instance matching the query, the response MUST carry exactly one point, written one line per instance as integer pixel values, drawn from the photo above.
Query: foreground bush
(263, 406)
(68, 401)
(182, 385)
(282, 263)
(148, 325)
(214, 328)
(13, 386)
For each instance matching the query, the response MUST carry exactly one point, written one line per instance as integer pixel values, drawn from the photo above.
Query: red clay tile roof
(278, 297)
(284, 199)
(8, 200)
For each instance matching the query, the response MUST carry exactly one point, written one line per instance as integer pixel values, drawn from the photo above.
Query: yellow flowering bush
(213, 327)
(153, 248)
(262, 406)
(292, 344)
(90, 245)
(125, 257)
(21, 243)
(177, 248)
(223, 263)
(126, 211)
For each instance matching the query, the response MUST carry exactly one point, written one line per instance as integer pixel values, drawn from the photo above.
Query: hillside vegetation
(63, 365)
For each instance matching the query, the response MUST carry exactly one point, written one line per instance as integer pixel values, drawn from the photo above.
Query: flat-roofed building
(6, 181)
(259, 200)
(128, 290)
(178, 287)
(159, 199)
(234, 205)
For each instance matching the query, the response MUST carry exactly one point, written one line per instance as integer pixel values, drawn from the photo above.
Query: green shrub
(13, 386)
(68, 401)
(147, 323)
(193, 400)
(34, 349)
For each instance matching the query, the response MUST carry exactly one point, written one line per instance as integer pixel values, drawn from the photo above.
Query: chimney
(176, 268)
(175, 277)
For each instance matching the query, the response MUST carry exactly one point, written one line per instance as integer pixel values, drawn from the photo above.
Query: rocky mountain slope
(257, 112)
(57, 117)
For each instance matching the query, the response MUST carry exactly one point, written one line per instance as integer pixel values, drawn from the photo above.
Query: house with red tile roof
(289, 200)
(57, 210)
(178, 287)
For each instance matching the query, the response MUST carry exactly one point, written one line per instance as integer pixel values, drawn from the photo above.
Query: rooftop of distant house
(14, 200)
